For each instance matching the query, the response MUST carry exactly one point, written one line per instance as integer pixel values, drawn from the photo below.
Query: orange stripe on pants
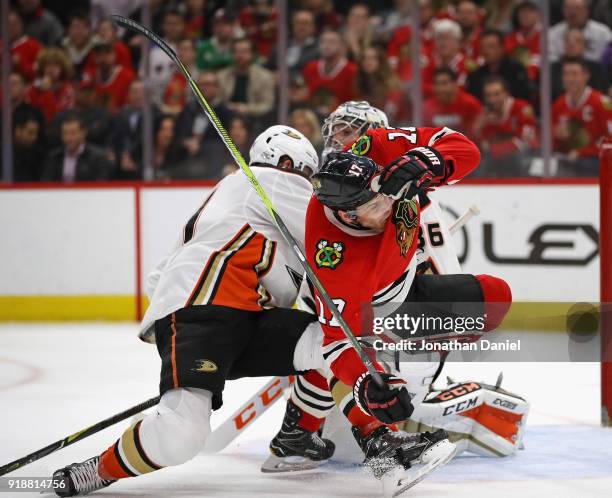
(174, 372)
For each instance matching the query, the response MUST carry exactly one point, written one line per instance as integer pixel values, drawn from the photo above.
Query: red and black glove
(419, 170)
(389, 404)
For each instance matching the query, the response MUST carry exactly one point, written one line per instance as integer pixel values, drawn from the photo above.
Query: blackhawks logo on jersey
(329, 256)
(406, 221)
(362, 146)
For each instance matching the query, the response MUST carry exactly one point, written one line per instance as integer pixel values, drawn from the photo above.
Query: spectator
(216, 52)
(165, 156)
(306, 122)
(582, 117)
(40, 23)
(177, 92)
(111, 81)
(52, 90)
(446, 53)
(161, 67)
(507, 131)
(240, 133)
(107, 33)
(523, 44)
(450, 105)
(379, 85)
(398, 16)
(78, 42)
(357, 30)
(193, 129)
(399, 51)
(575, 47)
(499, 14)
(497, 63)
(127, 133)
(576, 15)
(469, 17)
(97, 119)
(325, 15)
(28, 154)
(259, 24)
(302, 46)
(24, 48)
(22, 110)
(247, 88)
(76, 160)
(330, 78)
(195, 26)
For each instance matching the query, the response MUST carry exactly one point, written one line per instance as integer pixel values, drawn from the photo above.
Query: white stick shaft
(464, 218)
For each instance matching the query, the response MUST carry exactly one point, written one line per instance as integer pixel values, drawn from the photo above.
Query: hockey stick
(77, 436)
(210, 113)
(464, 218)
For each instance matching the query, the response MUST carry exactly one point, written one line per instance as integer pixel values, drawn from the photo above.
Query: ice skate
(79, 478)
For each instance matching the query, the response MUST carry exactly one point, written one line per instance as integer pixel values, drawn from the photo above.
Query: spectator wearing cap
(97, 119)
(576, 15)
(52, 90)
(259, 22)
(24, 48)
(177, 92)
(380, 86)
(582, 117)
(523, 44)
(302, 46)
(40, 23)
(247, 87)
(110, 80)
(161, 67)
(330, 79)
(506, 130)
(216, 52)
(78, 41)
(28, 153)
(470, 16)
(446, 53)
(450, 105)
(497, 63)
(575, 48)
(107, 33)
(76, 160)
(358, 32)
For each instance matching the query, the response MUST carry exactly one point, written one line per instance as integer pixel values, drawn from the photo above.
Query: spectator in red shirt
(507, 131)
(581, 119)
(380, 86)
(523, 44)
(111, 81)
(195, 23)
(469, 16)
(325, 14)
(40, 23)
(24, 48)
(259, 23)
(52, 91)
(107, 32)
(446, 53)
(450, 105)
(177, 92)
(78, 41)
(330, 78)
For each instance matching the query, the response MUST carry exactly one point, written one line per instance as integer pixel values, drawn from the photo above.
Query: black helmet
(343, 182)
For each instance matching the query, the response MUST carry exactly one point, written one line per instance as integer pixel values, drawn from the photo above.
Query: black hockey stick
(77, 436)
(210, 113)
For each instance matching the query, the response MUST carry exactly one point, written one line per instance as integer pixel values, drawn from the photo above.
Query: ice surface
(57, 379)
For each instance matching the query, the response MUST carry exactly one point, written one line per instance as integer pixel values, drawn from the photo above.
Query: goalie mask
(280, 142)
(349, 121)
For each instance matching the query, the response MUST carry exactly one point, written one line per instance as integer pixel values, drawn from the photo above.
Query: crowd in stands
(80, 88)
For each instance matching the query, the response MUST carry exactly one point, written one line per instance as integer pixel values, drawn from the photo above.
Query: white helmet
(278, 141)
(354, 116)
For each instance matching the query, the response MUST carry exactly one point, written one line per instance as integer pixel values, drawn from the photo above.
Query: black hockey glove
(418, 170)
(389, 404)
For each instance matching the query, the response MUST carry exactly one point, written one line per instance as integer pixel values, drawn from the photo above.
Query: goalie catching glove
(390, 403)
(419, 170)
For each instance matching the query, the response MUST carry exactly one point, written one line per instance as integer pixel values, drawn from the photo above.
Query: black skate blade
(277, 465)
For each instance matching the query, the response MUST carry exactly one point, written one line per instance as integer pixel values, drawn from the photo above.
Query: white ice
(57, 379)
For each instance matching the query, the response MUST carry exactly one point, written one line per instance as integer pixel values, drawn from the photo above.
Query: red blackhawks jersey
(459, 114)
(364, 269)
(589, 121)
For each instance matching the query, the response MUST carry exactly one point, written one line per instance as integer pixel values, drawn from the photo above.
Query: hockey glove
(389, 404)
(419, 170)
